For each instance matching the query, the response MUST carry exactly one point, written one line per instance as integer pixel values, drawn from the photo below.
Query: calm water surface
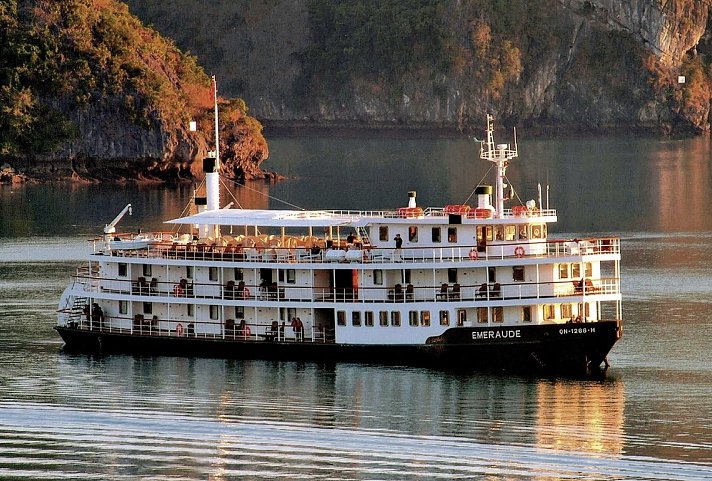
(126, 417)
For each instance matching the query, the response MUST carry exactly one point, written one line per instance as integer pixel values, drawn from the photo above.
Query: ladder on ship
(77, 309)
(363, 235)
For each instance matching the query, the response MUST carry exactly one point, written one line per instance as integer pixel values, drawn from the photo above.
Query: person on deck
(399, 243)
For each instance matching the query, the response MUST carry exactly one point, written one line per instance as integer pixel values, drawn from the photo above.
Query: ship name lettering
(508, 334)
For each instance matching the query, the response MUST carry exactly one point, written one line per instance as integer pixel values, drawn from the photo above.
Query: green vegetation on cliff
(58, 59)
(491, 50)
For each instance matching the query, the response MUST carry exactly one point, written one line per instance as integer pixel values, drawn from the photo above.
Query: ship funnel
(484, 197)
(411, 199)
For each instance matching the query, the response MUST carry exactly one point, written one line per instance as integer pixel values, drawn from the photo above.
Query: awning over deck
(271, 218)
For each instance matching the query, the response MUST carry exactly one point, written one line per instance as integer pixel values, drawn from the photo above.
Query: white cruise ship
(458, 286)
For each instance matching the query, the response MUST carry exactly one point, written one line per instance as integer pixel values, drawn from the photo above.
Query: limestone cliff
(586, 65)
(88, 92)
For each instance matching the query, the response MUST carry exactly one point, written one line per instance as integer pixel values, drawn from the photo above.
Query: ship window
(452, 234)
(123, 307)
(461, 317)
(537, 231)
(189, 272)
(575, 270)
(489, 232)
(413, 233)
(498, 314)
(383, 233)
(395, 318)
(378, 277)
(436, 234)
(148, 308)
(588, 269)
(356, 318)
(368, 318)
(480, 235)
(563, 271)
(147, 270)
(291, 313)
(413, 318)
(452, 275)
(566, 311)
(123, 269)
(239, 275)
(424, 318)
(280, 275)
(190, 309)
(527, 314)
(214, 312)
(213, 273)
(444, 318)
(498, 232)
(518, 273)
(510, 232)
(549, 311)
(383, 318)
(523, 231)
(291, 276)
(239, 312)
(481, 314)
(341, 318)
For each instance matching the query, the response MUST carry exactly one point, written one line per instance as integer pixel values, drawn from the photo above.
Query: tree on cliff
(84, 86)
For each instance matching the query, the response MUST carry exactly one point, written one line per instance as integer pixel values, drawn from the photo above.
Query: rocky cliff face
(573, 64)
(89, 93)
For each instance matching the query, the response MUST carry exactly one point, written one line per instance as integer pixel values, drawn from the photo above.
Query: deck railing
(230, 329)
(145, 289)
(377, 255)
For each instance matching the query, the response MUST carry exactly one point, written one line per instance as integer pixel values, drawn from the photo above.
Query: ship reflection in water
(584, 417)
(221, 419)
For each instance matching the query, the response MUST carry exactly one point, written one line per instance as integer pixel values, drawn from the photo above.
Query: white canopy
(271, 218)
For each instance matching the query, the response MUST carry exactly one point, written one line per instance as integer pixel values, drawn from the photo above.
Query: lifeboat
(520, 210)
(458, 209)
(410, 212)
(480, 213)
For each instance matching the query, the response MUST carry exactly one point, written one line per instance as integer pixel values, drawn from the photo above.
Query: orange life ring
(177, 290)
(179, 329)
(473, 253)
(519, 251)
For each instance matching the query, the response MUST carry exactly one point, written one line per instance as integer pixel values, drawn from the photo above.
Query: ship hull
(563, 348)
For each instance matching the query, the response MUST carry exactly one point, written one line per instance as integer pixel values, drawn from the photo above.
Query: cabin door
(345, 284)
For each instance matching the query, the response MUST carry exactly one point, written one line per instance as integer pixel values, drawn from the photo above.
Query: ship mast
(212, 180)
(211, 167)
(500, 155)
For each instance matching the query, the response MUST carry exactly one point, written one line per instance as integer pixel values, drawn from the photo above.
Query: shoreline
(283, 128)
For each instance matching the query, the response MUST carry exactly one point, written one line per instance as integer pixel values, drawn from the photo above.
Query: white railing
(230, 329)
(143, 289)
(376, 255)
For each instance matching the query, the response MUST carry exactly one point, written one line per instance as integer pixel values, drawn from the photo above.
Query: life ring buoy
(179, 329)
(177, 290)
(245, 293)
(473, 254)
(519, 251)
